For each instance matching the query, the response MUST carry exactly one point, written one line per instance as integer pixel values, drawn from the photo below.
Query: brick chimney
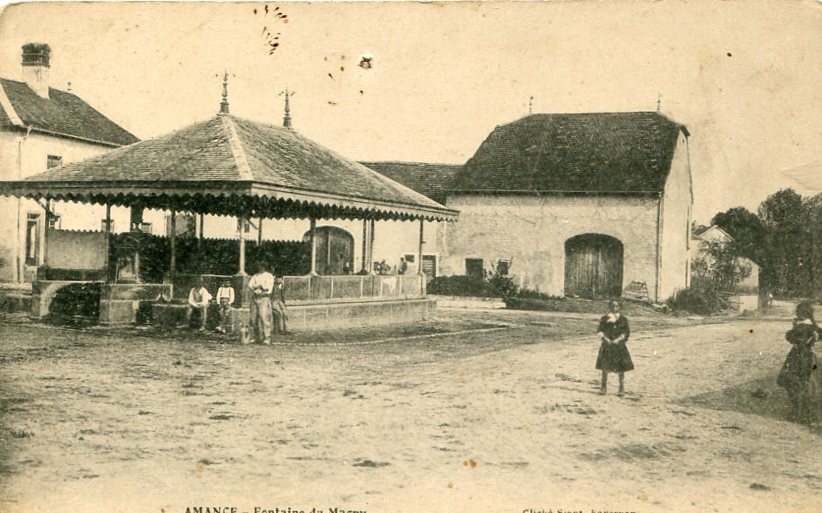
(36, 58)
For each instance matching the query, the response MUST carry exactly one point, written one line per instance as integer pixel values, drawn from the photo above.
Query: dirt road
(500, 420)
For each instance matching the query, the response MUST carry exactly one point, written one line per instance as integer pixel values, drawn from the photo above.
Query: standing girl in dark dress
(613, 353)
(801, 362)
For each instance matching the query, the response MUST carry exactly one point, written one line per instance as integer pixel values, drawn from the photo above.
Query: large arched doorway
(593, 266)
(335, 247)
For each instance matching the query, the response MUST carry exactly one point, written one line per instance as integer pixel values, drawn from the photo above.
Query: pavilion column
(419, 252)
(241, 231)
(365, 245)
(172, 266)
(371, 247)
(312, 235)
(46, 226)
(419, 258)
(107, 245)
(259, 232)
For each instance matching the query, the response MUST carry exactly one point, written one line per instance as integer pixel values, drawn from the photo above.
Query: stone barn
(589, 205)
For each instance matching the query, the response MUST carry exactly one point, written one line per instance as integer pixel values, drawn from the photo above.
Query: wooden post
(371, 247)
(259, 232)
(202, 220)
(241, 231)
(107, 245)
(419, 258)
(365, 245)
(172, 266)
(46, 225)
(312, 235)
(419, 252)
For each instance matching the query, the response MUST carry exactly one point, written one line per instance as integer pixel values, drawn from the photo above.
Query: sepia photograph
(393, 256)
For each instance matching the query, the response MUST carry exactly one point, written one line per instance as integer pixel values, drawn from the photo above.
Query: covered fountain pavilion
(229, 166)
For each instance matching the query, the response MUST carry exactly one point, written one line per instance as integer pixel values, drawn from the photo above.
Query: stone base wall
(317, 316)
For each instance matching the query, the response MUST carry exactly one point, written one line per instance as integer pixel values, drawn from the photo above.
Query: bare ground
(433, 418)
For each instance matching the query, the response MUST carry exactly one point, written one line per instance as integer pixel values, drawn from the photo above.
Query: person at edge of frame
(799, 375)
(613, 353)
(261, 285)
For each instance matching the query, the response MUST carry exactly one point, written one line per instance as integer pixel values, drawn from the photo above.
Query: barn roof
(598, 153)
(431, 180)
(62, 114)
(229, 165)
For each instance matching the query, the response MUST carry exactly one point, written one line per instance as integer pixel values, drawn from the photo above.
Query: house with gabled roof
(587, 205)
(42, 127)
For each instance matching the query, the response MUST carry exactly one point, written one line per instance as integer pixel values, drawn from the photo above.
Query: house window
(429, 266)
(54, 161)
(410, 258)
(473, 268)
(32, 239)
(503, 266)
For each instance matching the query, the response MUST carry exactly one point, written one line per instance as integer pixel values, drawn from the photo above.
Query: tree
(812, 242)
(749, 233)
(782, 214)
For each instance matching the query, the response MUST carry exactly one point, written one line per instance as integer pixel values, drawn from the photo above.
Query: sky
(742, 76)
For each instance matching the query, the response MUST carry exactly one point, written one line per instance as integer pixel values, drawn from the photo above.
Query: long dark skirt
(614, 358)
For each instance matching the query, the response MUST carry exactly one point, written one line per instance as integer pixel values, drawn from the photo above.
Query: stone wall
(675, 212)
(532, 230)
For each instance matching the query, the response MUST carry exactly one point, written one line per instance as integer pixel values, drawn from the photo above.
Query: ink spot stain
(255, 11)
(751, 331)
(331, 76)
(450, 485)
(365, 62)
(325, 59)
(361, 91)
(332, 103)
(470, 463)
(730, 54)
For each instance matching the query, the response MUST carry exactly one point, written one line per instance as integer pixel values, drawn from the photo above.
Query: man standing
(278, 306)
(261, 285)
(198, 298)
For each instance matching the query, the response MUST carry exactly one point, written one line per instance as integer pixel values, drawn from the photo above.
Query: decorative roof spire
(224, 103)
(287, 115)
(658, 102)
(530, 105)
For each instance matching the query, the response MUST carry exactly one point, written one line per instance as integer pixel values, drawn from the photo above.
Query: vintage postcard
(514, 257)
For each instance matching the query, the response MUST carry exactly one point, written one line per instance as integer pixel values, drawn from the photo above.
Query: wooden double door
(593, 266)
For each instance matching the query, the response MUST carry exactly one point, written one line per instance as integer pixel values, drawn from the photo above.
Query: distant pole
(530, 105)
(659, 102)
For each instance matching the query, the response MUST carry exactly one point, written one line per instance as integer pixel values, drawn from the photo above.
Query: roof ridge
(409, 162)
(7, 106)
(236, 145)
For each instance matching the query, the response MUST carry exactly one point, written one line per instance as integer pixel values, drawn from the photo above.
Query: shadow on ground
(760, 397)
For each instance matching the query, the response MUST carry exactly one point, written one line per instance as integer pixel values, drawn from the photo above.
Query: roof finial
(224, 103)
(530, 105)
(69, 87)
(287, 115)
(658, 102)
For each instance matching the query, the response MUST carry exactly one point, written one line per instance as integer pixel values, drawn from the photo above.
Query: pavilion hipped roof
(232, 166)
